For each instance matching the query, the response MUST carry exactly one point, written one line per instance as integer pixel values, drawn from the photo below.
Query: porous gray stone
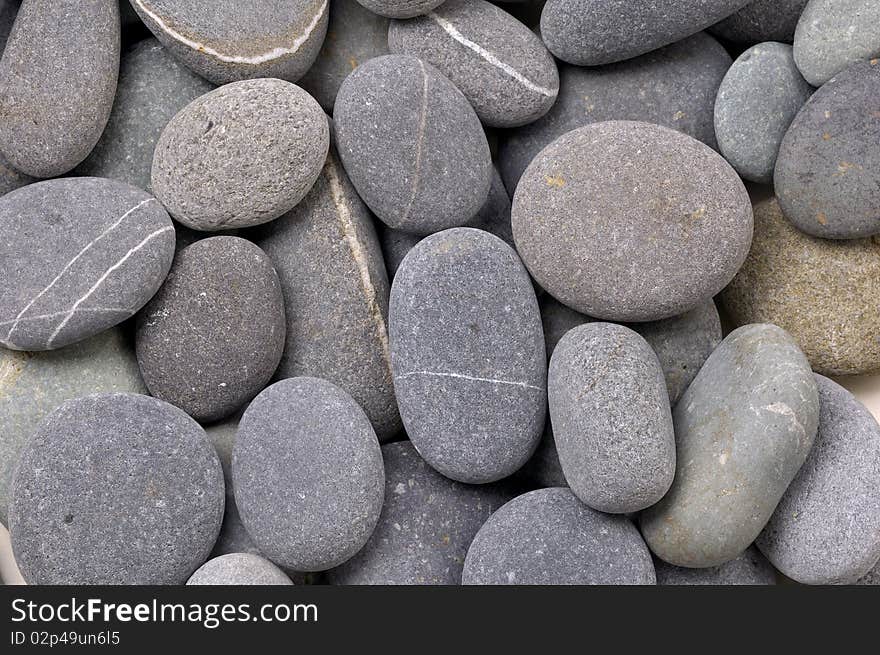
(762, 20)
(212, 337)
(208, 172)
(236, 40)
(400, 8)
(743, 428)
(412, 145)
(548, 537)
(304, 443)
(115, 488)
(239, 569)
(750, 568)
(622, 221)
(467, 352)
(57, 82)
(85, 253)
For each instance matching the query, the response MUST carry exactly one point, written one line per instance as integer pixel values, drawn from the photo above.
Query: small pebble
(760, 21)
(750, 568)
(239, 569)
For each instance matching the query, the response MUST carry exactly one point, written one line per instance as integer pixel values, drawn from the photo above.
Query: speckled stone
(85, 254)
(400, 8)
(467, 351)
(828, 170)
(762, 20)
(761, 94)
(743, 428)
(825, 529)
(100, 458)
(750, 568)
(412, 145)
(622, 221)
(305, 444)
(239, 569)
(691, 71)
(825, 297)
(57, 83)
(548, 537)
(153, 87)
(239, 40)
(208, 172)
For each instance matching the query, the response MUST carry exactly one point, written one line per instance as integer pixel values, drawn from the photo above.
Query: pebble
(115, 488)
(102, 247)
(743, 428)
(760, 21)
(467, 352)
(611, 419)
(412, 145)
(211, 338)
(304, 444)
(750, 568)
(401, 8)
(825, 529)
(828, 170)
(548, 537)
(239, 569)
(501, 66)
(760, 96)
(622, 221)
(208, 172)
(57, 83)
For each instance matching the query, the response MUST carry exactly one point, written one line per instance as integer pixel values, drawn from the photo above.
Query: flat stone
(750, 568)
(103, 249)
(239, 569)
(760, 21)
(400, 8)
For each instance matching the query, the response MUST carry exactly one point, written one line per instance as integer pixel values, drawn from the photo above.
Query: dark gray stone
(750, 568)
(85, 253)
(115, 489)
(400, 8)
(8, 9)
(762, 20)
(239, 569)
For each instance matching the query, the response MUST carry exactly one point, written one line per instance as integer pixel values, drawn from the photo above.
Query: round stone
(239, 569)
(400, 8)
(750, 568)
(760, 21)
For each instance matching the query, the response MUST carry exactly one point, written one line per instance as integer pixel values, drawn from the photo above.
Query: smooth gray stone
(354, 35)
(153, 87)
(833, 34)
(622, 221)
(760, 96)
(827, 175)
(33, 384)
(234, 40)
(691, 71)
(211, 338)
(208, 172)
(115, 488)
(11, 179)
(467, 351)
(57, 83)
(239, 569)
(84, 253)
(400, 8)
(825, 529)
(743, 428)
(501, 66)
(750, 568)
(595, 32)
(611, 418)
(548, 537)
(412, 145)
(8, 9)
(762, 20)
(305, 443)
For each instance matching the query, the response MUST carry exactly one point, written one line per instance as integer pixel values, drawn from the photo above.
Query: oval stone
(760, 21)
(400, 8)
(239, 569)
(750, 568)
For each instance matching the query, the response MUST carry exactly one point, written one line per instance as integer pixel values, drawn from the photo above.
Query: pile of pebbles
(424, 291)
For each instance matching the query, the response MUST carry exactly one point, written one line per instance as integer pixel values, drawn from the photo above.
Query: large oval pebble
(239, 569)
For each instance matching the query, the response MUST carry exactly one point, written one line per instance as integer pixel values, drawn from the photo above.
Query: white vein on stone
(461, 376)
(420, 137)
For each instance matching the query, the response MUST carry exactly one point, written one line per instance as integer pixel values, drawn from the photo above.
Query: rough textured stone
(750, 568)
(101, 458)
(85, 254)
(623, 221)
(743, 428)
(762, 20)
(548, 537)
(400, 8)
(57, 82)
(239, 569)
(467, 353)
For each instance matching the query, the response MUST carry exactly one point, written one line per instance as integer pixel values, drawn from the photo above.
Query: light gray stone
(750, 568)
(239, 569)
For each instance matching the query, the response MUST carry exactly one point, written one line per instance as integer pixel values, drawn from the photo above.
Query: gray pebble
(743, 429)
(102, 458)
(85, 253)
(467, 353)
(622, 221)
(400, 8)
(57, 83)
(412, 145)
(208, 172)
(305, 445)
(750, 568)
(825, 529)
(239, 569)
(548, 537)
(762, 20)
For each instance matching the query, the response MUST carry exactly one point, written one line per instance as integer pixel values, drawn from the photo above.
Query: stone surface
(762, 20)
(57, 83)
(101, 458)
(103, 248)
(208, 172)
(750, 568)
(623, 220)
(548, 537)
(743, 428)
(400, 8)
(467, 352)
(239, 569)
(412, 145)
